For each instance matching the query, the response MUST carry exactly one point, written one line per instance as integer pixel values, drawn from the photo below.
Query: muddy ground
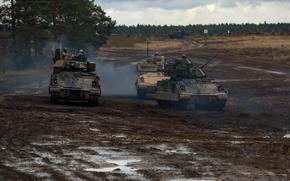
(128, 139)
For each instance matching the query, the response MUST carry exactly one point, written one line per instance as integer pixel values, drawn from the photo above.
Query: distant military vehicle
(74, 78)
(177, 35)
(150, 72)
(146, 84)
(154, 64)
(189, 86)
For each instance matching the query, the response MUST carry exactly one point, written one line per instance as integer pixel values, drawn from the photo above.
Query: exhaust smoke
(117, 79)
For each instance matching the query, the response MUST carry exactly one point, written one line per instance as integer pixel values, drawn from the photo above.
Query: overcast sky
(182, 12)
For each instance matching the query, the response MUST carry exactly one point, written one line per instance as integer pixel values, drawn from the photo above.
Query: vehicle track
(135, 126)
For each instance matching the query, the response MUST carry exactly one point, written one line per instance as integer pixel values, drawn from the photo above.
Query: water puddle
(120, 136)
(237, 136)
(110, 160)
(123, 162)
(287, 136)
(134, 63)
(164, 168)
(48, 140)
(101, 170)
(50, 143)
(262, 70)
(237, 142)
(106, 152)
(237, 80)
(121, 166)
(206, 179)
(171, 149)
(95, 130)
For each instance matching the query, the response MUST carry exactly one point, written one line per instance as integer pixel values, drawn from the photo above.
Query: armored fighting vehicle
(154, 64)
(188, 85)
(177, 35)
(150, 72)
(146, 83)
(74, 78)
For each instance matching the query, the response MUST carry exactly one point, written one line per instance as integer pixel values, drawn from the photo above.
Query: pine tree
(80, 23)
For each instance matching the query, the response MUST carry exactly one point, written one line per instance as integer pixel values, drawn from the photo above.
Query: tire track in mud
(20, 151)
(14, 139)
(49, 140)
(11, 142)
(60, 142)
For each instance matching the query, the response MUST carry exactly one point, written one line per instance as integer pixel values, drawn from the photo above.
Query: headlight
(94, 84)
(142, 79)
(55, 81)
(182, 88)
(222, 89)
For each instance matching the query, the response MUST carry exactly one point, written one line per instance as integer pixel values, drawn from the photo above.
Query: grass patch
(140, 43)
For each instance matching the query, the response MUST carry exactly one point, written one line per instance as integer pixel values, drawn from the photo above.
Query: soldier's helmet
(81, 52)
(65, 50)
(184, 56)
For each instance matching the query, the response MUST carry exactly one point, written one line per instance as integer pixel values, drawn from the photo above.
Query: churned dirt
(128, 139)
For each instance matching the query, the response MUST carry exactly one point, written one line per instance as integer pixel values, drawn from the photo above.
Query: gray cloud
(182, 12)
(175, 4)
(163, 4)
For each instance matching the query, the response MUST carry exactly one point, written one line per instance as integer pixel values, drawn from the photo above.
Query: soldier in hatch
(183, 66)
(81, 56)
(157, 57)
(65, 54)
(186, 61)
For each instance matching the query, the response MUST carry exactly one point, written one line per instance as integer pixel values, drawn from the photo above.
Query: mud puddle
(263, 70)
(287, 136)
(70, 162)
(123, 166)
(112, 160)
(238, 80)
(171, 149)
(205, 179)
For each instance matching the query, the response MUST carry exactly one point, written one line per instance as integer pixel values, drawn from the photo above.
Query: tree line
(152, 30)
(34, 25)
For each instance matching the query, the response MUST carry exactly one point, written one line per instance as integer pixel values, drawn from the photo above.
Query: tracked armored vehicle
(150, 72)
(189, 86)
(146, 84)
(74, 78)
(154, 64)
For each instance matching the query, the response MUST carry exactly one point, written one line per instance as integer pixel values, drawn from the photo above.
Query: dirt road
(127, 139)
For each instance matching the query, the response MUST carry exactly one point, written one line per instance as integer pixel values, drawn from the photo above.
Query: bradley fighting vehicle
(177, 35)
(154, 64)
(150, 72)
(74, 78)
(189, 86)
